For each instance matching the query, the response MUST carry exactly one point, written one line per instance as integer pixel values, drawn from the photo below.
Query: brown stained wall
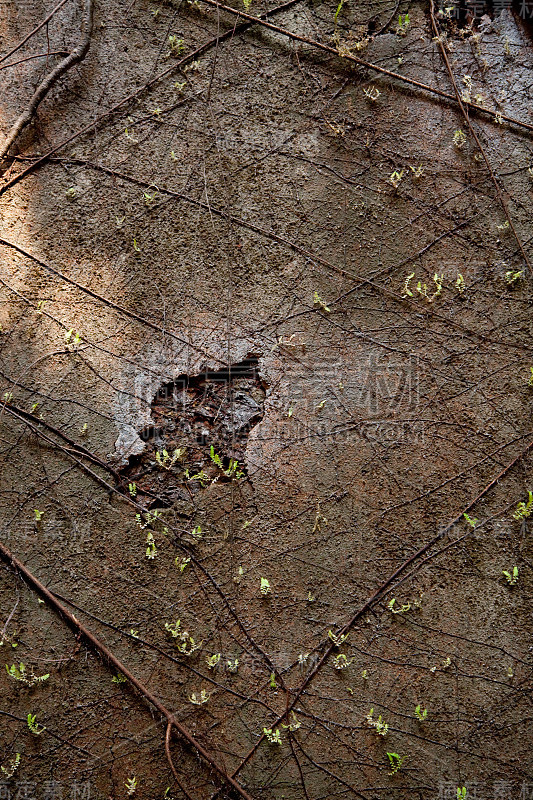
(268, 198)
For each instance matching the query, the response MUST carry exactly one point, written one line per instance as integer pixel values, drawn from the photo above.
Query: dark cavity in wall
(195, 418)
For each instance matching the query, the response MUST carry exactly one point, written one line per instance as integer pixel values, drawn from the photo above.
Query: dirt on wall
(266, 392)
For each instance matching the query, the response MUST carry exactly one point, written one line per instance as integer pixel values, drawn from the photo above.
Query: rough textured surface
(273, 201)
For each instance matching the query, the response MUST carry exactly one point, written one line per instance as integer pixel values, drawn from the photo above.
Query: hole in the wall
(212, 409)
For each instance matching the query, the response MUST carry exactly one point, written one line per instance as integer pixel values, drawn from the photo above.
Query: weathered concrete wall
(269, 198)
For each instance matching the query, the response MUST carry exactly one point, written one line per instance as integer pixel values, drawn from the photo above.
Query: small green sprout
(150, 198)
(422, 289)
(151, 549)
(11, 768)
(167, 461)
(459, 139)
(437, 280)
(364, 675)
(215, 458)
(319, 519)
(512, 276)
(150, 517)
(247, 4)
(182, 565)
(175, 46)
(401, 610)
(372, 93)
(511, 578)
(132, 489)
(8, 397)
(196, 533)
(232, 665)
(395, 762)
(523, 510)
(472, 521)
(194, 66)
(406, 290)
(136, 246)
(460, 283)
(530, 381)
(272, 736)
(23, 676)
(379, 726)
(9, 640)
(71, 193)
(213, 661)
(40, 306)
(34, 727)
(341, 661)
(202, 477)
(337, 640)
(339, 9)
(395, 178)
(417, 172)
(232, 471)
(118, 679)
(272, 681)
(403, 24)
(72, 337)
(265, 587)
(317, 300)
(130, 137)
(421, 713)
(199, 699)
(462, 793)
(294, 723)
(310, 597)
(183, 641)
(131, 786)
(38, 515)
